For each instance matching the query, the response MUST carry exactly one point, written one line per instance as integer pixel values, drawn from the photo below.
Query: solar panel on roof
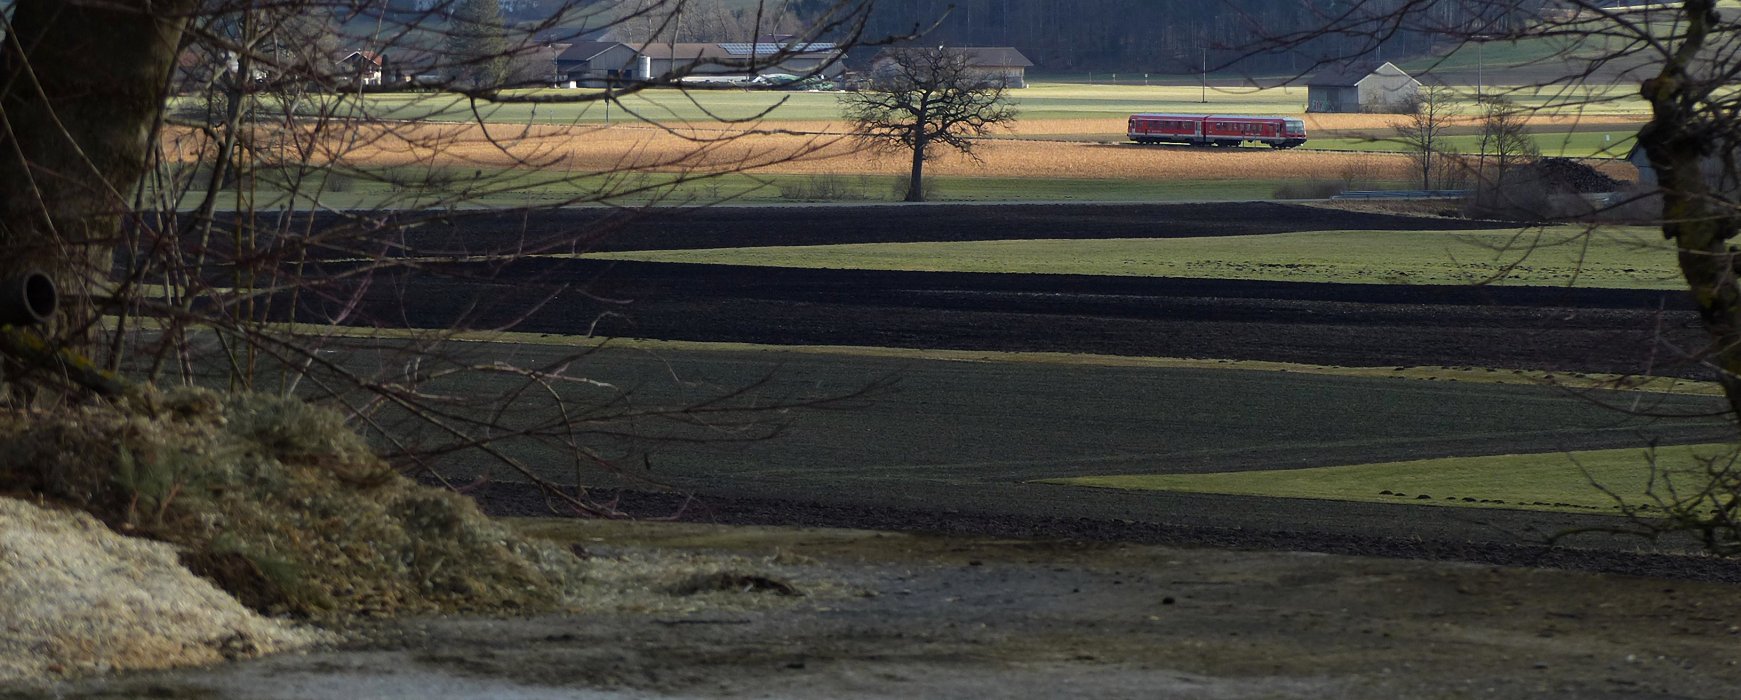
(767, 49)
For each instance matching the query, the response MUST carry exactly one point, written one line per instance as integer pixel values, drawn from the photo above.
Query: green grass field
(1608, 143)
(1554, 481)
(1618, 257)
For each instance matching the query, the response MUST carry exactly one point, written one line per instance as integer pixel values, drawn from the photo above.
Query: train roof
(1167, 115)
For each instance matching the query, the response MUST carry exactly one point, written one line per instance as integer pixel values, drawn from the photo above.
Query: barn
(997, 64)
(591, 63)
(598, 62)
(1360, 87)
(818, 59)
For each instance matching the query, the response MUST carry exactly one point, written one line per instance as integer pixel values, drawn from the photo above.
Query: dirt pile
(288, 512)
(76, 597)
(1571, 176)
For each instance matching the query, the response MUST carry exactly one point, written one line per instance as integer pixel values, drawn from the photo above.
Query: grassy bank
(1620, 257)
(1577, 481)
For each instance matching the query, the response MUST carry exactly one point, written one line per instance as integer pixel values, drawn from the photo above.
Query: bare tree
(921, 100)
(1423, 132)
(1505, 140)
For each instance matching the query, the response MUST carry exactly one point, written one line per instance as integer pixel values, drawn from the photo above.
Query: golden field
(585, 149)
(821, 147)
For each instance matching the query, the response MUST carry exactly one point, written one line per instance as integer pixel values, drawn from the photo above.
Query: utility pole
(1480, 65)
(1203, 94)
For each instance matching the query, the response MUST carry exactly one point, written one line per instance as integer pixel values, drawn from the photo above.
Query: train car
(1221, 130)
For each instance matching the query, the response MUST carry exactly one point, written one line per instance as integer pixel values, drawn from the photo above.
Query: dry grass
(580, 150)
(280, 503)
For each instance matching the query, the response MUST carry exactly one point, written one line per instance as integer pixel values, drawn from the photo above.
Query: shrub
(1316, 189)
(820, 188)
(1632, 204)
(927, 188)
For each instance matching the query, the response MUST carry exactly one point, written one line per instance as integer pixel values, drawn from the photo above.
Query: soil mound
(287, 510)
(1567, 175)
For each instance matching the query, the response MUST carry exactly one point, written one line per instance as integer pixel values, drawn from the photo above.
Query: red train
(1224, 130)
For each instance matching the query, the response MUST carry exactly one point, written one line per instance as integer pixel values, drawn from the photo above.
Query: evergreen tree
(477, 44)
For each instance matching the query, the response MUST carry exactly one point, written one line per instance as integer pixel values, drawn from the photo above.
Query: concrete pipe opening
(28, 299)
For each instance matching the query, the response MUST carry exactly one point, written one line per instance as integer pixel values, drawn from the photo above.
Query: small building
(1716, 173)
(993, 63)
(746, 59)
(601, 62)
(419, 68)
(999, 63)
(595, 63)
(362, 67)
(1361, 87)
(536, 65)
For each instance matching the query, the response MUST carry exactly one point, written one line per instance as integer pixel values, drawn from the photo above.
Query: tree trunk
(916, 178)
(84, 83)
(1677, 149)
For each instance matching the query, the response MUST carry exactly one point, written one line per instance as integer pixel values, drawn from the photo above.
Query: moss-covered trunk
(1678, 141)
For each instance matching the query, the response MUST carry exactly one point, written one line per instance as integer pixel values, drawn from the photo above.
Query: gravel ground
(973, 617)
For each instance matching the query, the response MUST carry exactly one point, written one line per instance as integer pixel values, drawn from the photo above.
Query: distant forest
(1162, 37)
(1173, 36)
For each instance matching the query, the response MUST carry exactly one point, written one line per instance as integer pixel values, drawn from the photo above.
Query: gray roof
(981, 56)
(585, 50)
(1346, 74)
(733, 52)
(771, 48)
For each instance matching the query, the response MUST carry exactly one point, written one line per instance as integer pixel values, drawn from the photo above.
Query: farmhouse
(1360, 87)
(362, 67)
(994, 63)
(599, 62)
(1716, 174)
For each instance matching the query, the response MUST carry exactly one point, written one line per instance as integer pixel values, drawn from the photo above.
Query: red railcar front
(1216, 129)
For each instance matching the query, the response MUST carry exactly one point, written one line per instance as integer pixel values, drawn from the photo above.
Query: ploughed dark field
(918, 465)
(1614, 331)
(419, 233)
